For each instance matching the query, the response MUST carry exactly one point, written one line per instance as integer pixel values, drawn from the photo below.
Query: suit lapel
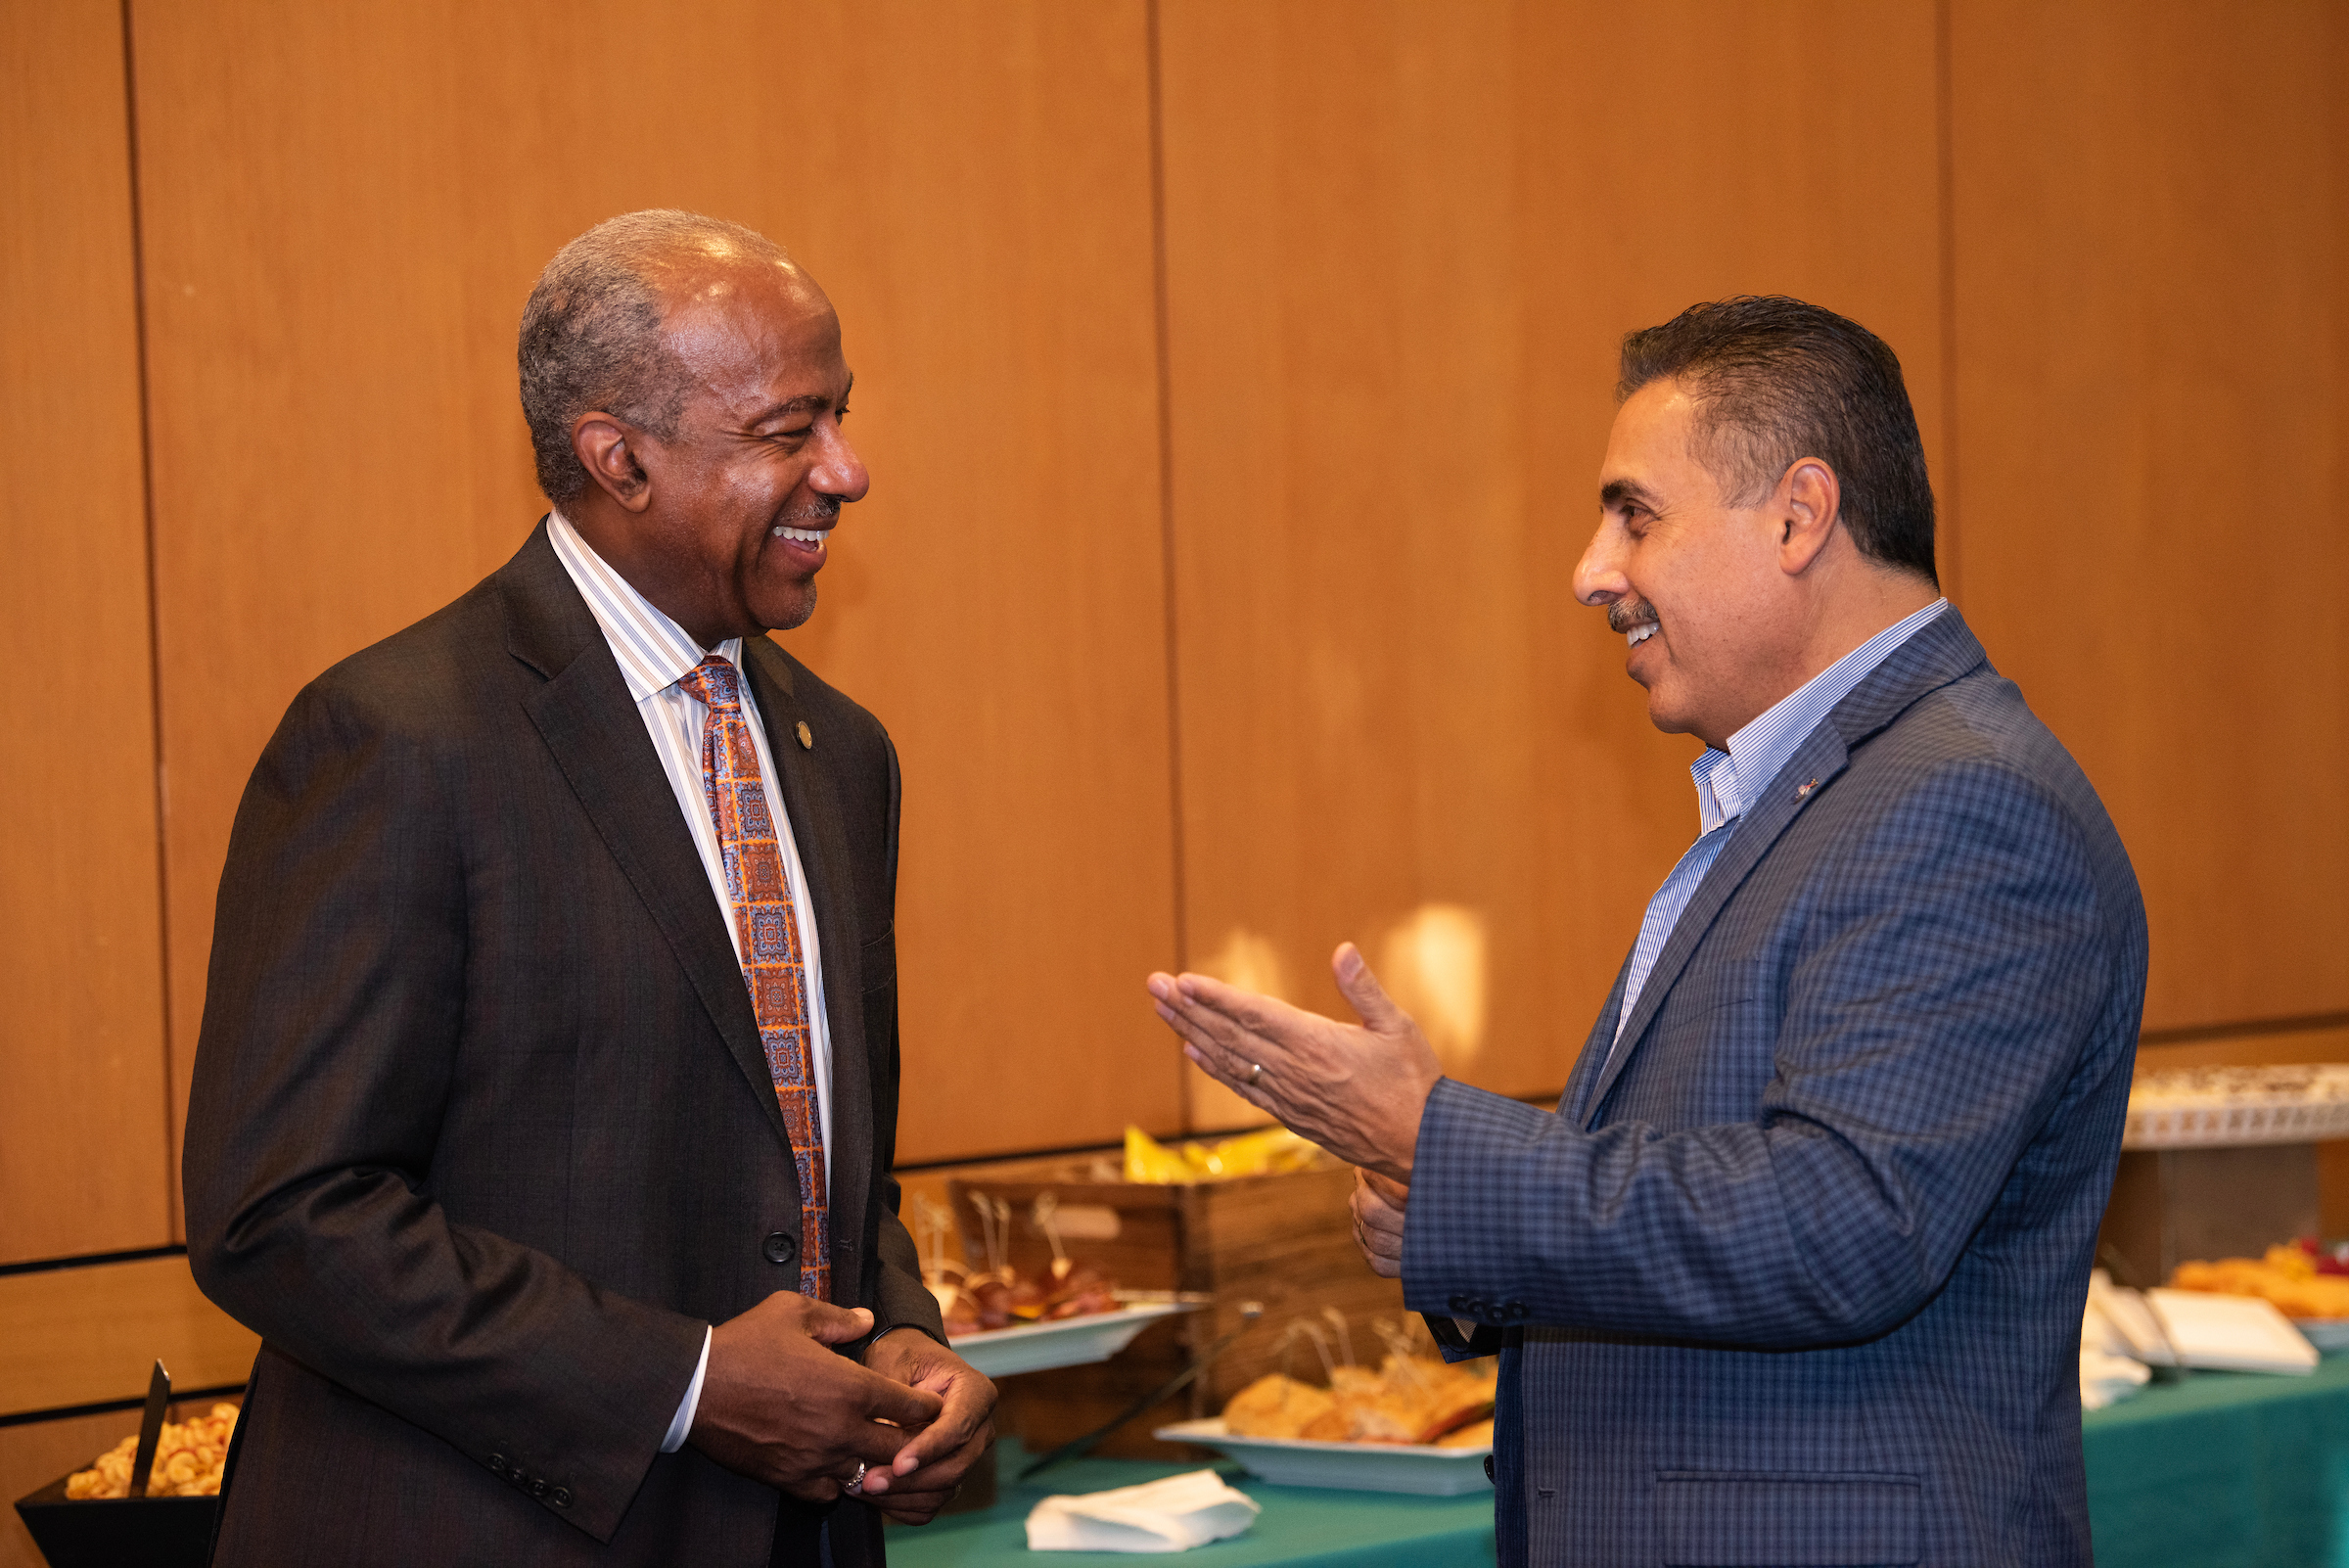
(1938, 653)
(813, 803)
(1821, 756)
(590, 724)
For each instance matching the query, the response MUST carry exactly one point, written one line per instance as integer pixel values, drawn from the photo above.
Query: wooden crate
(1284, 1241)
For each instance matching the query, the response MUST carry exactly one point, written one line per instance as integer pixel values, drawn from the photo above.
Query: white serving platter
(1068, 1342)
(1421, 1468)
(2326, 1335)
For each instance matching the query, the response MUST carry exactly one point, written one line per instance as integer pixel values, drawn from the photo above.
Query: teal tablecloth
(2222, 1470)
(1299, 1525)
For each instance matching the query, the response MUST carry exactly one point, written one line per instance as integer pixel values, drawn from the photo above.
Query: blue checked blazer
(1796, 1279)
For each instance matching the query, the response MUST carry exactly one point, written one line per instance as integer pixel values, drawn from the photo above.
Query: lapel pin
(807, 739)
(1799, 793)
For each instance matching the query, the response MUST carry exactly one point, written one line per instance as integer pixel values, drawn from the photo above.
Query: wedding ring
(1254, 1074)
(857, 1481)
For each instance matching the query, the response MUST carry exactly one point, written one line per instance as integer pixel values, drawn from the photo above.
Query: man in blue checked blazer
(1794, 1273)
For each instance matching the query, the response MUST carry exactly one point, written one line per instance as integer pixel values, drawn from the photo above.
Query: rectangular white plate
(1070, 1342)
(1422, 1468)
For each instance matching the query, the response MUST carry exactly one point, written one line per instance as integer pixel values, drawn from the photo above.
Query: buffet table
(2222, 1470)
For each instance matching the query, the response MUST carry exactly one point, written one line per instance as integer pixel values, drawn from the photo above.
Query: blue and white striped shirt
(1728, 781)
(655, 652)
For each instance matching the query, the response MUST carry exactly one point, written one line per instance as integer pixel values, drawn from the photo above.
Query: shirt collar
(1729, 781)
(654, 651)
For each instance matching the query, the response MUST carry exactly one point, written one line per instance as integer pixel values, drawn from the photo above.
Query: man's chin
(787, 612)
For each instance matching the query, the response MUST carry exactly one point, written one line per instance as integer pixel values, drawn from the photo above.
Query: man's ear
(601, 444)
(1810, 502)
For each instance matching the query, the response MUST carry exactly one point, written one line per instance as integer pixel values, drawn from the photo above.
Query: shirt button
(781, 1247)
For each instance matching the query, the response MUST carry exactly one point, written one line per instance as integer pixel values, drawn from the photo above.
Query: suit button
(1514, 1311)
(560, 1496)
(781, 1247)
(497, 1464)
(538, 1487)
(1488, 1467)
(1460, 1304)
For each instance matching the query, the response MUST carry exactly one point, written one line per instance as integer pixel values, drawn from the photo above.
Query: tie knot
(717, 683)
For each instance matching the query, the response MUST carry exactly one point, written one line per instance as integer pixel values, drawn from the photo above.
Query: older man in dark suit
(1794, 1273)
(544, 1106)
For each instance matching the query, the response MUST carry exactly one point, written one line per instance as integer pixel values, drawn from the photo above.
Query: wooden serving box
(1285, 1241)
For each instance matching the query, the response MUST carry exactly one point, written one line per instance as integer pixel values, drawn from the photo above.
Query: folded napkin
(1175, 1514)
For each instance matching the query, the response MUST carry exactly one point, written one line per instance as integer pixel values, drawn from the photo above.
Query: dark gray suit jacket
(1797, 1277)
(482, 1132)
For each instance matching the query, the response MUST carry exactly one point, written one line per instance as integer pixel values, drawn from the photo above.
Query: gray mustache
(1623, 617)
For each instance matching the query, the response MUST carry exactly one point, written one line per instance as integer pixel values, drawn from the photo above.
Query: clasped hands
(1357, 1091)
(779, 1404)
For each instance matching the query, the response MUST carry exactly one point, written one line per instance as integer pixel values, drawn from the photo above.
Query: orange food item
(189, 1458)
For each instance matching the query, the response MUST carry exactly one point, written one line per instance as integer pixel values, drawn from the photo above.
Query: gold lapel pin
(1799, 793)
(807, 739)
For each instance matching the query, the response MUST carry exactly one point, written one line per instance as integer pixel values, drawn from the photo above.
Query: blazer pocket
(877, 959)
(1771, 1519)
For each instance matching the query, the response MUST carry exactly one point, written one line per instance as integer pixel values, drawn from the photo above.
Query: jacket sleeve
(1948, 971)
(329, 1035)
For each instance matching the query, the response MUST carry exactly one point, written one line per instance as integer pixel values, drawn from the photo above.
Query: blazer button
(1460, 1304)
(1488, 1468)
(781, 1247)
(497, 1464)
(538, 1487)
(560, 1496)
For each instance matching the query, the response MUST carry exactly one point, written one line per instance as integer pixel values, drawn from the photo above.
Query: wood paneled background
(1232, 376)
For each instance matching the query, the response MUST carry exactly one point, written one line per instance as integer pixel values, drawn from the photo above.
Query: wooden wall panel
(1404, 240)
(82, 1141)
(2152, 363)
(344, 209)
(87, 1335)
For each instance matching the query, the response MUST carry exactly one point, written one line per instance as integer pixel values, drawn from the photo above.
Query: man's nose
(1598, 578)
(839, 472)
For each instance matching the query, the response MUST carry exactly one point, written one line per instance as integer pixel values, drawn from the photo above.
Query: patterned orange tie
(770, 934)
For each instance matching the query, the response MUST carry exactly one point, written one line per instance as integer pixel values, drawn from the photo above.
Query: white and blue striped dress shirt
(1728, 781)
(655, 652)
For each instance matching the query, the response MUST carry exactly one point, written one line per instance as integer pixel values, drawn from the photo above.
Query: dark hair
(1776, 380)
(591, 332)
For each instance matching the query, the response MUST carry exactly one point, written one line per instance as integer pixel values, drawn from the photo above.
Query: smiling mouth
(814, 536)
(1636, 622)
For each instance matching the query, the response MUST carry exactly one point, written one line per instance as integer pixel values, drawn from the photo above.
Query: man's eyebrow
(1615, 492)
(810, 402)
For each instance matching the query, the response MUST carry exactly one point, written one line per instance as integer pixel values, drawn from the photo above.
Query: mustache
(1623, 617)
(824, 509)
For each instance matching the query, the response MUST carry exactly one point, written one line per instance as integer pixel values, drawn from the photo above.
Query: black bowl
(119, 1532)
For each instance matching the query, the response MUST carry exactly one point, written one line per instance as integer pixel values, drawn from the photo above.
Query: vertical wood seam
(155, 644)
(1945, 134)
(1163, 330)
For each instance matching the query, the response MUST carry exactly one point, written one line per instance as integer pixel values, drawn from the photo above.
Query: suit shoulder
(421, 680)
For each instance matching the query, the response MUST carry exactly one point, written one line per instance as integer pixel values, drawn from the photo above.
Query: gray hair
(591, 332)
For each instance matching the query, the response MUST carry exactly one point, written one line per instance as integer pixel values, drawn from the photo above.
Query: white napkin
(1175, 1514)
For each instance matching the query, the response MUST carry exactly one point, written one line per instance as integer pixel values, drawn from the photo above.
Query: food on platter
(2299, 1278)
(1276, 1405)
(1274, 1150)
(976, 1302)
(189, 1458)
(1476, 1436)
(1409, 1399)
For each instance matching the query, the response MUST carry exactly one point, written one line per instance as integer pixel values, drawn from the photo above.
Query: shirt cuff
(683, 1422)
